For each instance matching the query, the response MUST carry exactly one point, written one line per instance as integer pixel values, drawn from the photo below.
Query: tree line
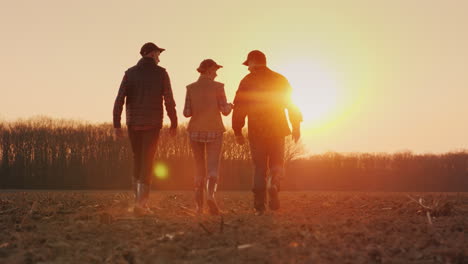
(45, 153)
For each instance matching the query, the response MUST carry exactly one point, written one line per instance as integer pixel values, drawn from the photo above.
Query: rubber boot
(273, 190)
(259, 202)
(199, 197)
(134, 189)
(211, 186)
(142, 196)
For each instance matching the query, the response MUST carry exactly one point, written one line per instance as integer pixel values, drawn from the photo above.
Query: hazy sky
(370, 76)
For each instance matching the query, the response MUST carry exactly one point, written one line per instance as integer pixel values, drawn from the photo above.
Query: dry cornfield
(44, 153)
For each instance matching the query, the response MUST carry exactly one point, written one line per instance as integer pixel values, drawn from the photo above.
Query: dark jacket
(143, 89)
(263, 96)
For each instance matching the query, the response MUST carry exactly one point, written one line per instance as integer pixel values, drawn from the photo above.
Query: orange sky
(370, 76)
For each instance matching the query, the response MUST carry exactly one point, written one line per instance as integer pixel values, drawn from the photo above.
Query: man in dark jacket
(144, 88)
(262, 96)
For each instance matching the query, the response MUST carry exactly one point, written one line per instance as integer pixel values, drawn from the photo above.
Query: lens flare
(315, 90)
(161, 171)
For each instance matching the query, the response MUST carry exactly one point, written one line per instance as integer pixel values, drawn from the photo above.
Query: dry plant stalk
(204, 228)
(425, 208)
(221, 224)
(187, 211)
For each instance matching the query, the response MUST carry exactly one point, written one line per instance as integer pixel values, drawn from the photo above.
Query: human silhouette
(263, 96)
(144, 89)
(204, 101)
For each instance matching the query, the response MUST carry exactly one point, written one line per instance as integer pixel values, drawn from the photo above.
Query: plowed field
(311, 227)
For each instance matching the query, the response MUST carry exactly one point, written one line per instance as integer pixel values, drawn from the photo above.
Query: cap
(207, 64)
(149, 47)
(255, 55)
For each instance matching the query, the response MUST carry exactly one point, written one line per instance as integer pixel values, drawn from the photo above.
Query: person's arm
(188, 105)
(169, 102)
(224, 107)
(119, 102)
(294, 114)
(240, 109)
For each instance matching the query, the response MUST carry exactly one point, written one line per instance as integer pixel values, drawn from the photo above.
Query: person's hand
(240, 139)
(118, 133)
(173, 131)
(296, 135)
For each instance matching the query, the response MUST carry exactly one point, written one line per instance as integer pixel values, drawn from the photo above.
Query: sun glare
(315, 90)
(161, 171)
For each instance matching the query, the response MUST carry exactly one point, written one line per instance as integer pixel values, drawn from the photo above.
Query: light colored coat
(206, 114)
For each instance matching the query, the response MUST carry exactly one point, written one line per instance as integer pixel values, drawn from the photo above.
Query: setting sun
(315, 90)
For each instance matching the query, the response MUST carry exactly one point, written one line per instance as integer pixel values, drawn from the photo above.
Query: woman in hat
(204, 101)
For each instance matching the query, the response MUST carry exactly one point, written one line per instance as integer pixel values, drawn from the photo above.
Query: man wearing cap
(204, 101)
(262, 96)
(144, 88)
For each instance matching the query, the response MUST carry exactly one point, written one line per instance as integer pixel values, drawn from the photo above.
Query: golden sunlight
(315, 90)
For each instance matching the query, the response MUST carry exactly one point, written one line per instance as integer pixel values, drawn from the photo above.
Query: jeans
(207, 155)
(268, 156)
(144, 144)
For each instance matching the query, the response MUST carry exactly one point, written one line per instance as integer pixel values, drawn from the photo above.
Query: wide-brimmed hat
(255, 55)
(149, 47)
(207, 64)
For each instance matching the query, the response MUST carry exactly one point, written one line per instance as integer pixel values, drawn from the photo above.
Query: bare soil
(311, 227)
